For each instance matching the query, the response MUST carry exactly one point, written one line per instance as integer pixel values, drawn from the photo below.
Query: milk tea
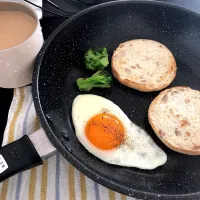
(15, 28)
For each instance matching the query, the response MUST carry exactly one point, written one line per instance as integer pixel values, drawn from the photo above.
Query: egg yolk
(105, 131)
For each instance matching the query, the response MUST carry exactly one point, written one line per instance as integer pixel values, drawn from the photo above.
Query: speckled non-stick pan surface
(60, 62)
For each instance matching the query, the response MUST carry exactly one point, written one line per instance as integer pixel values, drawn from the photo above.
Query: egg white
(138, 150)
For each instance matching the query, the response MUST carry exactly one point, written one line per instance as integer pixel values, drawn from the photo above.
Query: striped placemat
(56, 179)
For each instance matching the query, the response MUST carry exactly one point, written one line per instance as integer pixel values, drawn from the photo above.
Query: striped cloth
(56, 179)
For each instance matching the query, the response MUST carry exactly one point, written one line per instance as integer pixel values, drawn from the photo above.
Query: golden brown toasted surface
(145, 65)
(175, 117)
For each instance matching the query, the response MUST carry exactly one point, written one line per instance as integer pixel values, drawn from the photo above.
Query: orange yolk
(105, 131)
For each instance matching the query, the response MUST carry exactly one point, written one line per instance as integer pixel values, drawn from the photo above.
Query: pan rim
(45, 125)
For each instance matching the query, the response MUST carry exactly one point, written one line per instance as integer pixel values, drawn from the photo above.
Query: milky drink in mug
(20, 41)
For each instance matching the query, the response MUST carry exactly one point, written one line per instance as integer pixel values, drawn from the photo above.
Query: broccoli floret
(96, 59)
(100, 79)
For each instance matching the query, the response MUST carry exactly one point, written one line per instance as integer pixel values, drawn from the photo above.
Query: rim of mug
(36, 18)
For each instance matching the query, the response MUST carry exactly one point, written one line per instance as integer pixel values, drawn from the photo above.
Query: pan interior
(61, 62)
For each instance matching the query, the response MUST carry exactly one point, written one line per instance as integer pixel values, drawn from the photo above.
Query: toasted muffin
(175, 117)
(144, 65)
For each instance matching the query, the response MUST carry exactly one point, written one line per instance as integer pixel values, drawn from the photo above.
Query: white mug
(17, 63)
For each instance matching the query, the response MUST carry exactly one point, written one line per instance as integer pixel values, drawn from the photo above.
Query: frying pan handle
(18, 156)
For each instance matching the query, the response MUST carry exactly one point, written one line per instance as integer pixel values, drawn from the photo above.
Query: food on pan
(100, 79)
(106, 132)
(96, 59)
(175, 117)
(144, 65)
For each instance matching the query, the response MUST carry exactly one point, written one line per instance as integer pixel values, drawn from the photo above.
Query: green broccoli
(96, 59)
(100, 79)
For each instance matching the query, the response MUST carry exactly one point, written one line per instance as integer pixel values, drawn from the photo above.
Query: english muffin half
(145, 65)
(175, 117)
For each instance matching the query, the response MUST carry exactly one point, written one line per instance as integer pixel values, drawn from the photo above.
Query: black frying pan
(60, 62)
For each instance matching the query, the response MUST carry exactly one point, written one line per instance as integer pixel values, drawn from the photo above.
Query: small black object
(86, 2)
(67, 14)
(19, 156)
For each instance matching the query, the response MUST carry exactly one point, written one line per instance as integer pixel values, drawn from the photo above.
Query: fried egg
(106, 132)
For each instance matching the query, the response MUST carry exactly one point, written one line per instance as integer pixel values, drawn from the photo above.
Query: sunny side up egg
(106, 132)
